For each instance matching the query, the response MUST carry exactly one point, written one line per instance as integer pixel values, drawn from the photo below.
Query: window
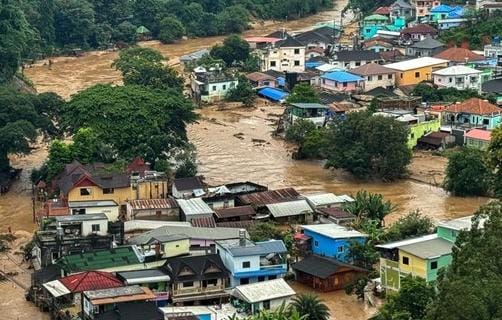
(224, 87)
(297, 51)
(272, 277)
(389, 77)
(380, 77)
(244, 281)
(214, 88)
(210, 283)
(316, 243)
(358, 64)
(434, 265)
(345, 84)
(486, 122)
(108, 190)
(417, 74)
(450, 79)
(439, 79)
(273, 63)
(406, 260)
(370, 78)
(261, 278)
(158, 213)
(246, 264)
(340, 249)
(188, 284)
(401, 74)
(95, 227)
(85, 191)
(297, 63)
(266, 304)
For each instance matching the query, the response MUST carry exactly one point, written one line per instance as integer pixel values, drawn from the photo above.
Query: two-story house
(211, 85)
(285, 56)
(459, 56)
(425, 48)
(472, 113)
(418, 32)
(250, 262)
(314, 112)
(423, 7)
(342, 81)
(402, 8)
(414, 71)
(375, 76)
(332, 240)
(458, 77)
(351, 59)
(371, 24)
(197, 279)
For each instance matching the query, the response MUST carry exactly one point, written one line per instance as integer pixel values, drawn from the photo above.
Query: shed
(287, 211)
(153, 209)
(326, 199)
(194, 208)
(261, 199)
(234, 214)
(273, 94)
(337, 215)
(264, 295)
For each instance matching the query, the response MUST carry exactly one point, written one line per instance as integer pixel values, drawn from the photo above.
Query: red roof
(474, 106)
(383, 11)
(138, 165)
(90, 280)
(459, 55)
(420, 29)
(262, 39)
(300, 236)
(479, 134)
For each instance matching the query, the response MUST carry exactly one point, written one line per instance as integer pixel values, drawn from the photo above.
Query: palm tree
(311, 307)
(369, 206)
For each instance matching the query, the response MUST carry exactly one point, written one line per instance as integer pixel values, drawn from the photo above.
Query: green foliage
(467, 173)
(170, 30)
(303, 93)
(311, 307)
(125, 32)
(281, 313)
(414, 224)
(234, 50)
(187, 165)
(75, 23)
(369, 206)
(264, 231)
(368, 6)
(363, 255)
(410, 303)
(251, 64)
(310, 139)
(430, 93)
(145, 67)
(471, 287)
(369, 146)
(357, 287)
(59, 155)
(494, 157)
(233, 19)
(476, 32)
(243, 92)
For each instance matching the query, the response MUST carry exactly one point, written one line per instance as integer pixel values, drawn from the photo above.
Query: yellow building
(414, 71)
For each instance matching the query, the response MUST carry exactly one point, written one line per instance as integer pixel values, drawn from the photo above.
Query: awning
(148, 280)
(56, 288)
(273, 94)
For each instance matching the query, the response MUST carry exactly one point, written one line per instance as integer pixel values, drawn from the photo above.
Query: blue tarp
(273, 94)
(442, 8)
(341, 76)
(312, 65)
(281, 81)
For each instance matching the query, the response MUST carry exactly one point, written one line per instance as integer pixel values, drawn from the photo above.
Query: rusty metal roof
(234, 212)
(152, 204)
(203, 222)
(269, 197)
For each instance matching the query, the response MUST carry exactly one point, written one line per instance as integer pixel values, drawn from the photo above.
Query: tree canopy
(233, 50)
(303, 93)
(430, 93)
(494, 157)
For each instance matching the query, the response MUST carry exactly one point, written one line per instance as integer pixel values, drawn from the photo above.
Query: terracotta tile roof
(234, 212)
(420, 28)
(474, 106)
(90, 280)
(479, 134)
(459, 55)
(382, 10)
(391, 55)
(258, 76)
(371, 69)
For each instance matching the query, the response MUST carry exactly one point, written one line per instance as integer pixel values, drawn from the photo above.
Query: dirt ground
(428, 168)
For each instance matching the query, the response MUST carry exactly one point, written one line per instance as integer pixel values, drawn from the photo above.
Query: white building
(375, 76)
(107, 207)
(267, 295)
(285, 56)
(492, 51)
(85, 225)
(458, 77)
(211, 86)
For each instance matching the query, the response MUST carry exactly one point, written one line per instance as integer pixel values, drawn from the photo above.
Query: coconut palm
(311, 307)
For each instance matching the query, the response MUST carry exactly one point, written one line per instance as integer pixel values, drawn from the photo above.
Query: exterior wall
(416, 266)
(119, 195)
(112, 213)
(445, 24)
(220, 204)
(346, 65)
(447, 234)
(218, 91)
(87, 227)
(374, 81)
(274, 304)
(334, 248)
(476, 143)
(417, 52)
(419, 130)
(390, 274)
(338, 86)
(473, 120)
(151, 190)
(411, 76)
(492, 51)
(378, 48)
(176, 248)
(442, 262)
(165, 214)
(284, 59)
(460, 82)
(423, 6)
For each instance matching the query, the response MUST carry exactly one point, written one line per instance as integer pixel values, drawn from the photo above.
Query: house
(460, 56)
(190, 60)
(418, 32)
(194, 208)
(402, 8)
(375, 76)
(371, 24)
(436, 140)
(137, 310)
(311, 55)
(447, 24)
(472, 113)
(268, 295)
(261, 42)
(261, 80)
(325, 274)
(320, 38)
(165, 246)
(326, 200)
(259, 200)
(273, 94)
(241, 213)
(421, 257)
(450, 229)
(65, 235)
(326, 67)
(351, 59)
(98, 302)
(184, 188)
(458, 77)
(425, 48)
(332, 240)
(198, 279)
(313, 112)
(290, 211)
(493, 87)
(107, 207)
(414, 71)
(156, 280)
(211, 85)
(384, 11)
(478, 139)
(286, 55)
(342, 81)
(250, 262)
(441, 12)
(393, 55)
(378, 45)
(153, 209)
(238, 188)
(335, 215)
(423, 7)
(493, 50)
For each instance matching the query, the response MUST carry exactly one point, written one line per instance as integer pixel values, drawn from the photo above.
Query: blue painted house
(332, 240)
(443, 12)
(373, 23)
(250, 262)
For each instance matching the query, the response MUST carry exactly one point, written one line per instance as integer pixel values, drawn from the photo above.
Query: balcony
(198, 290)
(265, 270)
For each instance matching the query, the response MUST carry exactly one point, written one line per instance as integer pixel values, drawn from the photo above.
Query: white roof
(152, 224)
(464, 223)
(290, 208)
(326, 198)
(395, 244)
(452, 20)
(195, 206)
(261, 291)
(56, 288)
(388, 33)
(326, 67)
(406, 118)
(456, 71)
(415, 63)
(333, 231)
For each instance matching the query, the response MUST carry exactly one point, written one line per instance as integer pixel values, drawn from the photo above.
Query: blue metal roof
(341, 76)
(281, 81)
(457, 12)
(253, 249)
(273, 94)
(279, 269)
(441, 8)
(312, 65)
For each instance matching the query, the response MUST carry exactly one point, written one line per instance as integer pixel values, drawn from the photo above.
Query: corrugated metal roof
(429, 249)
(326, 198)
(203, 222)
(234, 212)
(152, 224)
(269, 197)
(396, 244)
(87, 204)
(417, 63)
(291, 208)
(195, 206)
(56, 288)
(152, 204)
(253, 249)
(261, 291)
(464, 223)
(333, 231)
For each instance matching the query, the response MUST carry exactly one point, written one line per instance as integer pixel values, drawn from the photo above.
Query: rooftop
(337, 213)
(396, 244)
(376, 17)
(479, 134)
(194, 207)
(91, 204)
(268, 197)
(326, 67)
(252, 248)
(420, 28)
(289, 42)
(187, 184)
(371, 69)
(464, 223)
(143, 276)
(357, 55)
(81, 217)
(290, 208)
(322, 267)
(151, 204)
(428, 43)
(326, 198)
(309, 105)
(333, 231)
(456, 70)
(133, 311)
(341, 76)
(189, 268)
(99, 259)
(90, 280)
(429, 249)
(117, 295)
(474, 106)
(261, 291)
(461, 55)
(234, 212)
(259, 76)
(417, 63)
(194, 55)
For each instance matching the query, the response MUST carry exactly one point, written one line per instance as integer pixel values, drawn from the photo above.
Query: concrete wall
(416, 266)
(338, 86)
(119, 195)
(382, 80)
(111, 212)
(284, 59)
(416, 76)
(467, 81)
(442, 262)
(176, 248)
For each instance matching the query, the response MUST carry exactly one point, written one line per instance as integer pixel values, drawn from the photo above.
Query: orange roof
(459, 55)
(479, 134)
(383, 11)
(474, 106)
(262, 39)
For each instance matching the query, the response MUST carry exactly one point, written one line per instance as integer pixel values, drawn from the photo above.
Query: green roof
(376, 17)
(99, 259)
(142, 30)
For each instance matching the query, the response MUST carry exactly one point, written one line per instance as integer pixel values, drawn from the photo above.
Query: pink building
(342, 81)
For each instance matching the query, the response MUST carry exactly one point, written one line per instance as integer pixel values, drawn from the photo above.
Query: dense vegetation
(431, 93)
